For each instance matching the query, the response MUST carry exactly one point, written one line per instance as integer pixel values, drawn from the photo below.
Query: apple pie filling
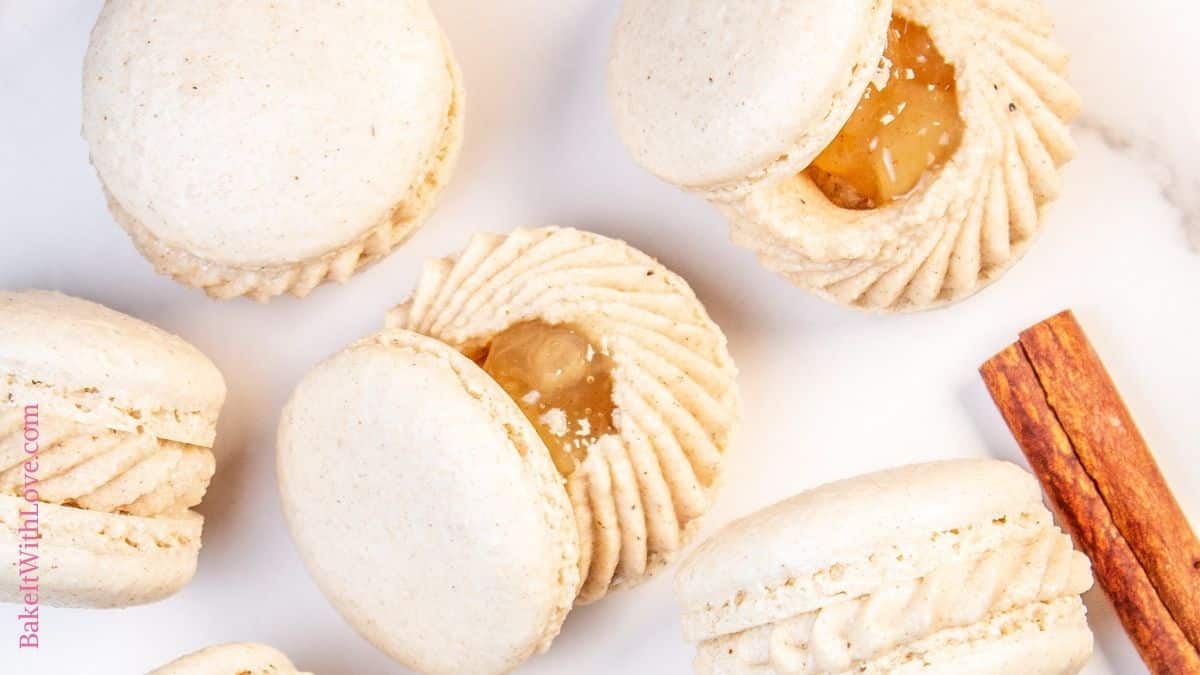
(905, 127)
(560, 380)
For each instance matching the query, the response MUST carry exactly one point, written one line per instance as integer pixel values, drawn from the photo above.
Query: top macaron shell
(243, 658)
(718, 97)
(253, 133)
(426, 507)
(91, 364)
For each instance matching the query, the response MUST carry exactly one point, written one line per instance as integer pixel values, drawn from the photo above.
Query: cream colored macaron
(464, 555)
(946, 567)
(256, 148)
(886, 155)
(235, 658)
(543, 421)
(106, 425)
(618, 366)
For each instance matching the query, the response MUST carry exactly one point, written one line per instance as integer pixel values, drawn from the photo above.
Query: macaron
(234, 658)
(542, 422)
(886, 155)
(106, 430)
(615, 362)
(464, 555)
(945, 567)
(258, 148)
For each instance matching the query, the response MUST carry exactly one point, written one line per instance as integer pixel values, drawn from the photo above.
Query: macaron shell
(721, 97)
(242, 658)
(92, 559)
(265, 282)
(846, 538)
(96, 366)
(637, 497)
(465, 553)
(343, 121)
(965, 223)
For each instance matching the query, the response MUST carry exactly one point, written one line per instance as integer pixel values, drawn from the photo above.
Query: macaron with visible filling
(106, 430)
(946, 567)
(617, 365)
(258, 148)
(886, 155)
(542, 422)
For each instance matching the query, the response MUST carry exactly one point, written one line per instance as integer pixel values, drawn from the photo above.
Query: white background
(828, 392)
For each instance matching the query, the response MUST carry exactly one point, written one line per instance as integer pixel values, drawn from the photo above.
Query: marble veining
(1134, 65)
(1180, 182)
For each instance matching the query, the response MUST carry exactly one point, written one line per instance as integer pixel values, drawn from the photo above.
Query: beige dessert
(106, 430)
(887, 155)
(259, 148)
(234, 658)
(617, 366)
(545, 421)
(938, 568)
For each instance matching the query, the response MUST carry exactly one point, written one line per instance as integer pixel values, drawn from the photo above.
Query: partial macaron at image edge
(108, 423)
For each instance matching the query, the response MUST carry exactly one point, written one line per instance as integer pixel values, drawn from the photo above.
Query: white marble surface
(1135, 63)
(828, 392)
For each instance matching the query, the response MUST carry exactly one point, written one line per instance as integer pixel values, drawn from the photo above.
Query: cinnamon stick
(1116, 456)
(1080, 440)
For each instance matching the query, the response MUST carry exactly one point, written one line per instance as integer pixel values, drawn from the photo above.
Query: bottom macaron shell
(91, 559)
(1042, 639)
(426, 508)
(242, 658)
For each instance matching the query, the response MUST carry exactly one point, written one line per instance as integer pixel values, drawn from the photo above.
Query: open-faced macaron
(887, 155)
(256, 148)
(617, 365)
(106, 425)
(235, 658)
(542, 422)
(946, 567)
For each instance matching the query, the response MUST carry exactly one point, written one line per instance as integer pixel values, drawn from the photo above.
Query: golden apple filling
(899, 131)
(562, 383)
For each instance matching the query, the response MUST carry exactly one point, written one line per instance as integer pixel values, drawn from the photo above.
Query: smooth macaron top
(94, 365)
(254, 133)
(426, 507)
(242, 658)
(717, 96)
(813, 542)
